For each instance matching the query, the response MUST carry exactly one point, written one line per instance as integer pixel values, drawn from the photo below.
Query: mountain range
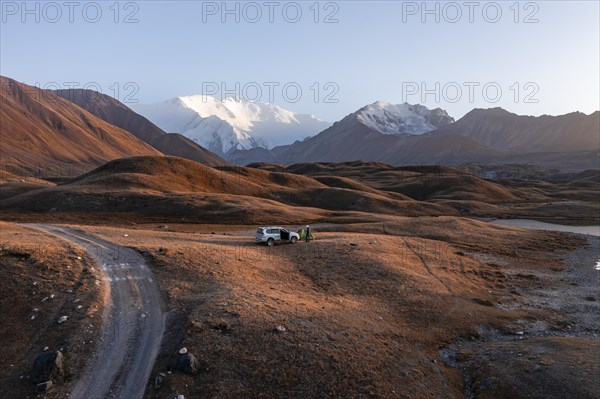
(224, 126)
(80, 127)
(53, 133)
(408, 134)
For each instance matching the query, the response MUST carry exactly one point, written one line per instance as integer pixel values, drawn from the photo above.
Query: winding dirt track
(133, 325)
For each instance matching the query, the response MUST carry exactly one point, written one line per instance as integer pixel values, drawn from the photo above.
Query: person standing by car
(307, 233)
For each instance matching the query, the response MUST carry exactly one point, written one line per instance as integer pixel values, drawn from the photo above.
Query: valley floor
(412, 307)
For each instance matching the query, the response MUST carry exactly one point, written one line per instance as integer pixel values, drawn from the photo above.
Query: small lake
(536, 225)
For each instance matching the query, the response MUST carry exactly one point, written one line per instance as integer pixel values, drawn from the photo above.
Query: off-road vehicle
(271, 235)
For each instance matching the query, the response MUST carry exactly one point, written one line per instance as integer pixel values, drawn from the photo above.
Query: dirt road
(133, 325)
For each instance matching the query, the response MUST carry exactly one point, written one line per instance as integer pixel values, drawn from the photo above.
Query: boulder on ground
(48, 366)
(44, 386)
(186, 363)
(159, 380)
(279, 329)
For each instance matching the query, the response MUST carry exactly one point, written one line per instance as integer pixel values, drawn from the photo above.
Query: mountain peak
(389, 118)
(496, 111)
(231, 124)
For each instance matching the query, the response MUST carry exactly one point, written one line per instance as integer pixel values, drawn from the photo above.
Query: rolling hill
(118, 114)
(44, 134)
(170, 188)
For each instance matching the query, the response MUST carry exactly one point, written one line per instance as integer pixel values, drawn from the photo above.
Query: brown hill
(422, 183)
(503, 130)
(43, 133)
(178, 175)
(168, 189)
(168, 186)
(588, 176)
(118, 114)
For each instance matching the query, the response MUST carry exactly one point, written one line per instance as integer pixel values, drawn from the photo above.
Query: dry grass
(171, 189)
(366, 306)
(34, 266)
(365, 312)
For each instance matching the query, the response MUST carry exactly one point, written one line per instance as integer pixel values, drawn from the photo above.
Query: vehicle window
(284, 231)
(259, 231)
(269, 231)
(275, 231)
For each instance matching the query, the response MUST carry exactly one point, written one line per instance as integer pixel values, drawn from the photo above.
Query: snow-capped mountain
(367, 133)
(227, 125)
(390, 118)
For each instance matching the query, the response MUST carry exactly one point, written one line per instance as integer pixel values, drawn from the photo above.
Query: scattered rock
(279, 329)
(33, 317)
(62, 319)
(186, 363)
(51, 296)
(46, 348)
(519, 333)
(183, 351)
(45, 299)
(76, 300)
(44, 386)
(180, 397)
(464, 355)
(125, 235)
(48, 366)
(158, 381)
(222, 326)
(590, 298)
(483, 302)
(404, 373)
(353, 244)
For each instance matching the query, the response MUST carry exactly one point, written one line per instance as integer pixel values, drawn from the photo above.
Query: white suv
(270, 235)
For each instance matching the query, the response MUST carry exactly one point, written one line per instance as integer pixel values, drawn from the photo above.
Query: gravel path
(134, 324)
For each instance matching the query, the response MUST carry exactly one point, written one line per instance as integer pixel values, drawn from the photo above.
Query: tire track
(134, 324)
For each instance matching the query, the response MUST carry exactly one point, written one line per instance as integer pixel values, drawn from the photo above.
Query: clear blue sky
(375, 51)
